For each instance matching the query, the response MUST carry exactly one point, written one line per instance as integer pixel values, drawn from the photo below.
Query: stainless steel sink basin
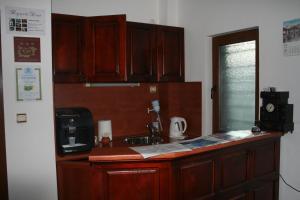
(142, 140)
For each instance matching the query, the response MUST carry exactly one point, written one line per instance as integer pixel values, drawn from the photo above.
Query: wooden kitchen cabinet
(74, 180)
(67, 45)
(141, 52)
(109, 49)
(170, 61)
(139, 181)
(88, 49)
(155, 53)
(104, 51)
(248, 171)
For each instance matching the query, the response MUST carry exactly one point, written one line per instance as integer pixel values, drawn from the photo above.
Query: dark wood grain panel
(183, 100)
(233, 169)
(264, 154)
(170, 53)
(121, 182)
(127, 106)
(105, 48)
(196, 179)
(265, 192)
(3, 173)
(67, 48)
(74, 180)
(141, 52)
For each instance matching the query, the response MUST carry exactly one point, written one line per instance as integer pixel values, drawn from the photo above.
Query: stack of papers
(189, 145)
(158, 149)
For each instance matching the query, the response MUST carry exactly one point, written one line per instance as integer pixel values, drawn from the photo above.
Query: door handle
(212, 92)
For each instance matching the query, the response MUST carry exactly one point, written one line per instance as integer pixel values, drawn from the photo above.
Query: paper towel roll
(104, 129)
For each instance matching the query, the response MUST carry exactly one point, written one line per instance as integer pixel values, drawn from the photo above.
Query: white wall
(136, 10)
(202, 19)
(30, 146)
(147, 11)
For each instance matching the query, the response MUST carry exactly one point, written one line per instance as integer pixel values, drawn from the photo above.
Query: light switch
(152, 89)
(21, 117)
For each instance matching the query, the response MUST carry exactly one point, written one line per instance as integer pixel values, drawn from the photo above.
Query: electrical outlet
(152, 89)
(21, 117)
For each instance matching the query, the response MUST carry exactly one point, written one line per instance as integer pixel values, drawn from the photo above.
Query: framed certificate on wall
(28, 83)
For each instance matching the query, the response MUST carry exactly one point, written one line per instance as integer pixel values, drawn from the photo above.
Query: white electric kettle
(178, 126)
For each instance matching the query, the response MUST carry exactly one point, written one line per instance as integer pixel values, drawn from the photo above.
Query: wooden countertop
(124, 153)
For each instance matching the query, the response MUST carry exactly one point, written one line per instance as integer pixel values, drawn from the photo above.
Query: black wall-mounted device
(275, 113)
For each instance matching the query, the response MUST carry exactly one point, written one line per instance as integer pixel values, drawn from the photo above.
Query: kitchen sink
(142, 140)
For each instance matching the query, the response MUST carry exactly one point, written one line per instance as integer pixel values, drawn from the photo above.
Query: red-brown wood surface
(191, 176)
(132, 181)
(111, 154)
(74, 180)
(127, 106)
(141, 52)
(105, 52)
(3, 173)
(67, 48)
(235, 163)
(170, 53)
(196, 179)
(182, 100)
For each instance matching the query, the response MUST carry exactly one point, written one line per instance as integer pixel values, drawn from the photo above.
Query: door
(141, 52)
(67, 48)
(170, 59)
(105, 48)
(235, 81)
(3, 173)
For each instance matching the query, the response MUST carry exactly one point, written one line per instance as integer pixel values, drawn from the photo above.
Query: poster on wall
(28, 83)
(25, 20)
(27, 49)
(291, 37)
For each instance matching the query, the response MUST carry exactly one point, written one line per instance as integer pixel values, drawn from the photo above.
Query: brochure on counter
(189, 145)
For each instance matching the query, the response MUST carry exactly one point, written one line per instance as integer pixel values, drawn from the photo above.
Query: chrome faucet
(155, 127)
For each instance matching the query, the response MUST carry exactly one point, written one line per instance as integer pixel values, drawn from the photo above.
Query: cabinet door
(74, 180)
(196, 179)
(265, 192)
(148, 181)
(170, 53)
(141, 52)
(105, 48)
(67, 48)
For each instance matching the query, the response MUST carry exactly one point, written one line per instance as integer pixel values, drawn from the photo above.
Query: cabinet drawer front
(131, 184)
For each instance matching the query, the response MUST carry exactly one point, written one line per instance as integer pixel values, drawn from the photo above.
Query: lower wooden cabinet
(235, 173)
(149, 181)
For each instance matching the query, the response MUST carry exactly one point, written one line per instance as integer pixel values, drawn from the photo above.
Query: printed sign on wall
(25, 20)
(27, 49)
(291, 37)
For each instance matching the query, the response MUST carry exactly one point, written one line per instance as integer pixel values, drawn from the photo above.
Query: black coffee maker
(74, 130)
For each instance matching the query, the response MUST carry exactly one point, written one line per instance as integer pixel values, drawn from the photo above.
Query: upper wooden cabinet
(67, 47)
(141, 52)
(105, 48)
(170, 53)
(109, 49)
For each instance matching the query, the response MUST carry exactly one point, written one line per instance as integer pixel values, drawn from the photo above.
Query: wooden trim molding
(3, 172)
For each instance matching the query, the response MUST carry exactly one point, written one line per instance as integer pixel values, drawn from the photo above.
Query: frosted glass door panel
(237, 86)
